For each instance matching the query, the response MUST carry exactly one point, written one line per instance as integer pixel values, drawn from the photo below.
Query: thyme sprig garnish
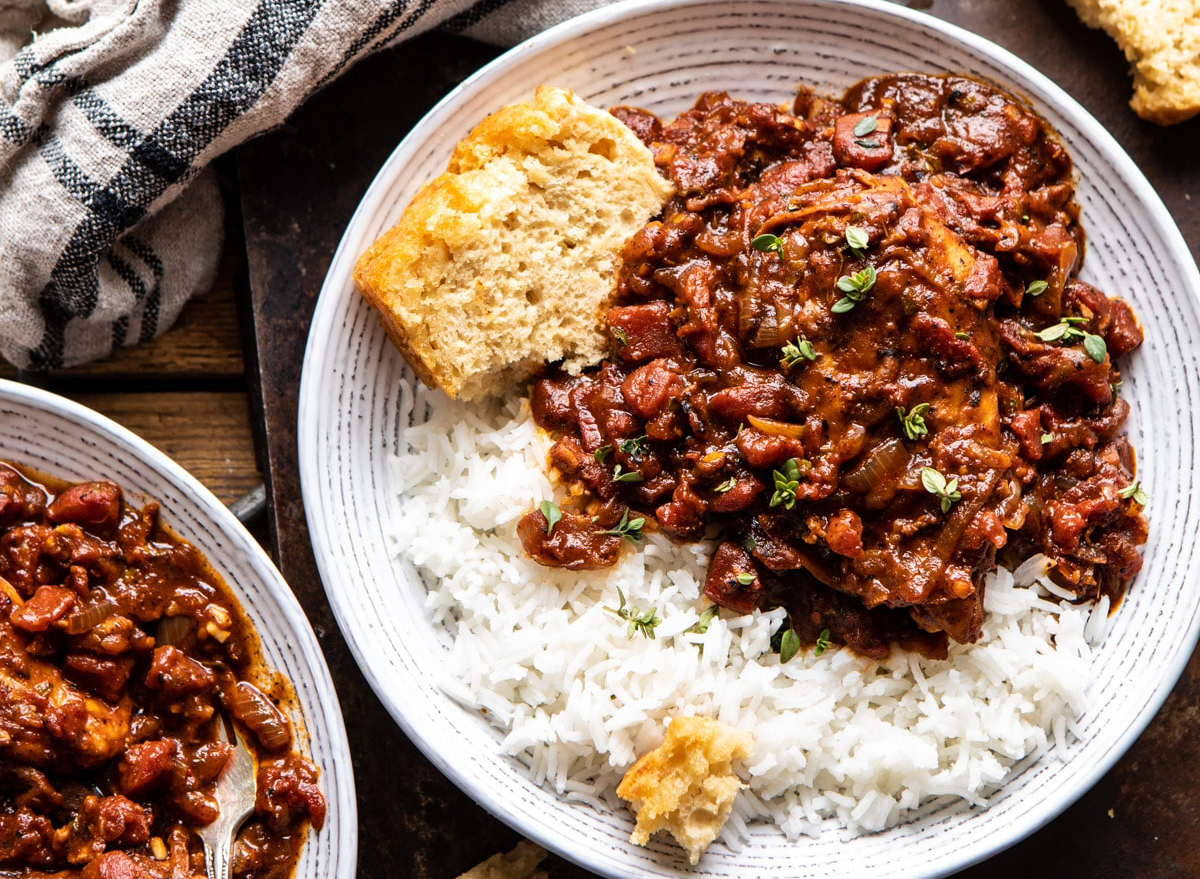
(865, 126)
(552, 514)
(620, 475)
(725, 486)
(822, 643)
(601, 453)
(704, 620)
(745, 578)
(1036, 288)
(1136, 493)
(794, 352)
(639, 621)
(635, 448)
(935, 483)
(629, 529)
(768, 243)
(789, 645)
(913, 421)
(620, 335)
(855, 287)
(787, 484)
(1067, 331)
(857, 240)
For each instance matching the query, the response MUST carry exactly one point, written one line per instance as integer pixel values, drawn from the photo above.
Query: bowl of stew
(660, 56)
(137, 615)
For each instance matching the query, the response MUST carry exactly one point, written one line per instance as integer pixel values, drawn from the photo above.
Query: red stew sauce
(118, 646)
(856, 349)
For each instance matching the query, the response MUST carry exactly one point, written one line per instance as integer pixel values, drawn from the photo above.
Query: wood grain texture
(208, 432)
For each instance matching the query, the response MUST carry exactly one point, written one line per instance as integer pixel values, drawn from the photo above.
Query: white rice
(837, 737)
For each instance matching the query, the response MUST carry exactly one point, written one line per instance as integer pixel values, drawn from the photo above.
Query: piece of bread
(687, 785)
(1161, 39)
(507, 260)
(521, 863)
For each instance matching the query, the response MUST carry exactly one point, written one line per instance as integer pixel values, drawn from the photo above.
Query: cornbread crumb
(687, 785)
(1161, 39)
(508, 260)
(520, 863)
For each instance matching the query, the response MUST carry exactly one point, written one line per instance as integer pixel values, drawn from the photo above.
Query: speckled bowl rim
(320, 360)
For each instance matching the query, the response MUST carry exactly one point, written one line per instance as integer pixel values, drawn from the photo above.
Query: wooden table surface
(218, 393)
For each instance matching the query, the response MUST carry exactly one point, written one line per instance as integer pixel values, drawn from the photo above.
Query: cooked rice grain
(837, 736)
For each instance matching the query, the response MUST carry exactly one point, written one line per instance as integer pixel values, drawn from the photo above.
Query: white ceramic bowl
(660, 54)
(63, 439)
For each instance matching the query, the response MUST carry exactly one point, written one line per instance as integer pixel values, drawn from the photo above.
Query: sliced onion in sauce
(255, 710)
(776, 428)
(172, 630)
(885, 460)
(90, 617)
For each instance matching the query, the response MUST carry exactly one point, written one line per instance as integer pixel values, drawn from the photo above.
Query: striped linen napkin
(110, 111)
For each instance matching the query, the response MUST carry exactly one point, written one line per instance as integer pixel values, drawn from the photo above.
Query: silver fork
(236, 789)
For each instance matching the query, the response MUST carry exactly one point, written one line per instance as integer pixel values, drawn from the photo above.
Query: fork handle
(217, 859)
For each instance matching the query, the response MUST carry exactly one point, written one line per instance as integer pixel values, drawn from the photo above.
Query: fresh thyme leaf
(787, 484)
(768, 243)
(601, 453)
(635, 448)
(822, 643)
(793, 352)
(964, 337)
(630, 529)
(552, 513)
(855, 287)
(1047, 438)
(725, 486)
(1095, 347)
(868, 143)
(860, 282)
(1036, 288)
(705, 620)
(1067, 330)
(857, 238)
(1053, 333)
(639, 622)
(789, 645)
(1136, 493)
(620, 476)
(866, 125)
(913, 423)
(745, 578)
(935, 483)
(621, 337)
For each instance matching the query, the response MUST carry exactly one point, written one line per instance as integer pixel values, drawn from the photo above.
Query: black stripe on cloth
(65, 170)
(150, 313)
(382, 23)
(15, 129)
(120, 332)
(249, 66)
(105, 120)
(472, 15)
(125, 271)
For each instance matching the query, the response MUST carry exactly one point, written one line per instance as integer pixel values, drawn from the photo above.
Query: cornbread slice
(507, 260)
(687, 785)
(1161, 39)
